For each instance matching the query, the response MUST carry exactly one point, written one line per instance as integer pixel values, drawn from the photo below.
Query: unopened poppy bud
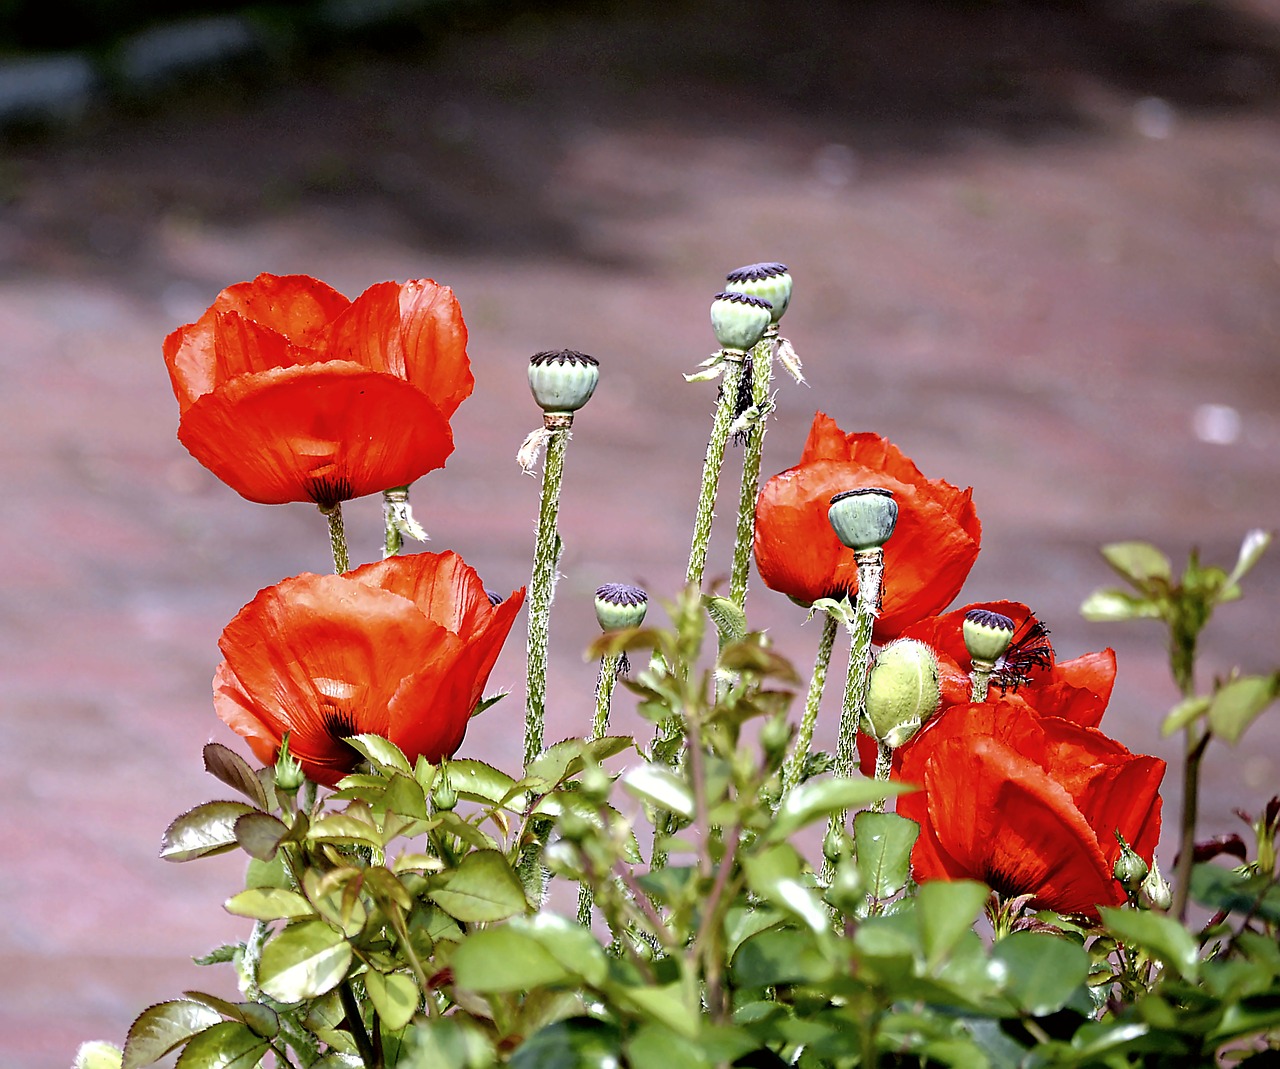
(1156, 892)
(739, 319)
(837, 844)
(1129, 868)
(864, 518)
(443, 796)
(563, 380)
(289, 774)
(903, 691)
(772, 282)
(619, 605)
(986, 635)
(775, 737)
(846, 892)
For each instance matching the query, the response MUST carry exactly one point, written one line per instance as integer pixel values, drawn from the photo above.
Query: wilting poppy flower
(288, 391)
(400, 648)
(1028, 804)
(926, 560)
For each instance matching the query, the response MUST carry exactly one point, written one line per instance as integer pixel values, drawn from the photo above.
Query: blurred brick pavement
(1045, 324)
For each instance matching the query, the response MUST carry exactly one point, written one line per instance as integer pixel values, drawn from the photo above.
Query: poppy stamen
(329, 491)
(1029, 649)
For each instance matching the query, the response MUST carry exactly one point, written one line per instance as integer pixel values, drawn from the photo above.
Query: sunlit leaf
(479, 782)
(1112, 605)
(161, 1028)
(1160, 936)
(97, 1055)
(1138, 562)
(206, 829)
(883, 842)
(660, 787)
(572, 945)
(229, 1045)
(233, 770)
(395, 996)
(1185, 712)
(269, 904)
(404, 795)
(946, 910)
(823, 797)
(482, 888)
(381, 753)
(1238, 703)
(1251, 549)
(1041, 970)
(305, 960)
(504, 959)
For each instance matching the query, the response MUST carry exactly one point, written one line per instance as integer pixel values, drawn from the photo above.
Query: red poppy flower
(925, 562)
(290, 392)
(400, 648)
(1028, 804)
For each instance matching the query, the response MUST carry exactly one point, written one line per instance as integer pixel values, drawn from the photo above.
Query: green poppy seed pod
(563, 380)
(739, 319)
(865, 518)
(769, 281)
(1129, 868)
(903, 690)
(619, 605)
(986, 634)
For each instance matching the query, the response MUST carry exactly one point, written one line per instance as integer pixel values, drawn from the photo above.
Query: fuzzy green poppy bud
(775, 737)
(619, 605)
(563, 380)
(837, 844)
(864, 518)
(903, 691)
(772, 282)
(289, 774)
(443, 796)
(739, 319)
(1129, 868)
(986, 634)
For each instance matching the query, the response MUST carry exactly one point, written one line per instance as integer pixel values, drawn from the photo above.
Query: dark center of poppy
(1029, 649)
(340, 725)
(329, 491)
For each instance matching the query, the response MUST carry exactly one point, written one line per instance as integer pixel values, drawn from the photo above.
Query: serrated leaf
(386, 887)
(504, 959)
(1042, 971)
(305, 960)
(206, 829)
(1160, 936)
(479, 782)
(883, 842)
(229, 1045)
(344, 828)
(1113, 605)
(1238, 703)
(945, 911)
(395, 997)
(1139, 562)
(262, 1019)
(269, 904)
(482, 888)
(163, 1027)
(1185, 712)
(822, 797)
(569, 756)
(405, 797)
(260, 834)
(488, 703)
(225, 764)
(97, 1055)
(660, 787)
(381, 753)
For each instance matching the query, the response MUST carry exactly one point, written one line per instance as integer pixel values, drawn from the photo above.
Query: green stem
(337, 537)
(541, 591)
(1196, 746)
(980, 680)
(711, 471)
(605, 683)
(884, 765)
(793, 768)
(355, 1025)
(761, 370)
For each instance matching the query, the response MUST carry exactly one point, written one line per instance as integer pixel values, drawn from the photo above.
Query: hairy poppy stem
(793, 768)
(711, 471)
(884, 765)
(761, 372)
(337, 537)
(980, 680)
(605, 683)
(546, 555)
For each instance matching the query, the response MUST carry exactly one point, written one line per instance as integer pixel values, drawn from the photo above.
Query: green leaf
(206, 829)
(454, 1042)
(260, 834)
(344, 828)
(945, 911)
(1042, 971)
(1112, 605)
(664, 1004)
(481, 888)
(504, 959)
(1254, 545)
(1236, 892)
(405, 796)
(478, 782)
(161, 1028)
(97, 1055)
(574, 1043)
(395, 997)
(1238, 703)
(1185, 712)
(233, 770)
(661, 788)
(569, 756)
(775, 875)
(488, 703)
(655, 1047)
(1138, 562)
(262, 1019)
(883, 843)
(730, 620)
(269, 904)
(1160, 936)
(824, 797)
(229, 1045)
(381, 753)
(305, 960)
(572, 945)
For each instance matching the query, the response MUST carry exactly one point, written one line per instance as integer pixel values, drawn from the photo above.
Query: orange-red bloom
(400, 648)
(1028, 804)
(925, 562)
(288, 391)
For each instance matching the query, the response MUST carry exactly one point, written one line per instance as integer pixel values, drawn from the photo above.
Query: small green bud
(289, 774)
(1129, 868)
(837, 844)
(772, 282)
(1156, 892)
(595, 784)
(775, 738)
(619, 605)
(846, 892)
(443, 796)
(563, 380)
(903, 690)
(986, 634)
(865, 518)
(739, 320)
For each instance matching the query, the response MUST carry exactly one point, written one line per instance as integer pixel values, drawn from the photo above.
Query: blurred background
(1036, 244)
